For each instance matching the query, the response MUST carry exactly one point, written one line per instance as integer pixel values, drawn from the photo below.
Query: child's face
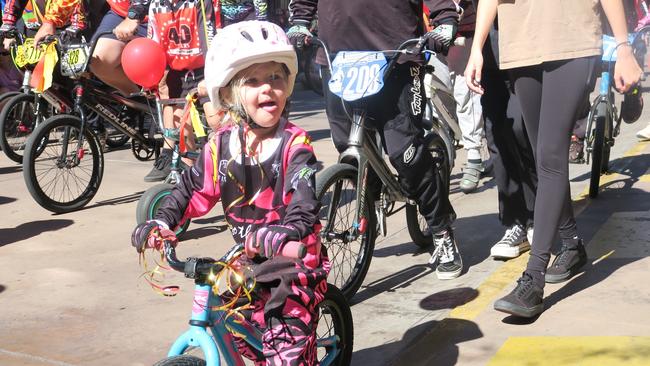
(264, 92)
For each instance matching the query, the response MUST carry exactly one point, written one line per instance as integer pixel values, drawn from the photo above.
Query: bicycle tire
(416, 224)
(598, 149)
(181, 360)
(337, 307)
(3, 101)
(12, 140)
(350, 261)
(150, 201)
(42, 158)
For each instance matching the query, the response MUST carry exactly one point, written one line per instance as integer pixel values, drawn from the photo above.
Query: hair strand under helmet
(240, 45)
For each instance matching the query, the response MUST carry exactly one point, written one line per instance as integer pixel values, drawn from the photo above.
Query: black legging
(550, 95)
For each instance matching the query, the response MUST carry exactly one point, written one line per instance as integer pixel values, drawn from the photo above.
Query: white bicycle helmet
(240, 45)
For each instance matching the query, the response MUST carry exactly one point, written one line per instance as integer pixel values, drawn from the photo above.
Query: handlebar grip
(294, 249)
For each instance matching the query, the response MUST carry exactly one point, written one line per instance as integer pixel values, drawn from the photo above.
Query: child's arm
(195, 194)
(300, 185)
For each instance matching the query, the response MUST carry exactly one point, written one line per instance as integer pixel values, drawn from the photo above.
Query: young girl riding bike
(261, 167)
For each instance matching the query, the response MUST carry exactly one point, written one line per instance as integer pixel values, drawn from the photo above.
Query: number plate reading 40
(73, 61)
(357, 74)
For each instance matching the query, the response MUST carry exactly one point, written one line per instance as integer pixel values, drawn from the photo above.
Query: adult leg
(106, 64)
(551, 97)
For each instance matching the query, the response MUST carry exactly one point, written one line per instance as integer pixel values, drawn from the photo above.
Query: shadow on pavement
(210, 220)
(11, 169)
(401, 279)
(319, 134)
(2, 288)
(449, 299)
(31, 229)
(133, 197)
(431, 343)
(627, 165)
(4, 200)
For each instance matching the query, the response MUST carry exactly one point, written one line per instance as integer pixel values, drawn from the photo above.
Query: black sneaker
(567, 263)
(526, 300)
(446, 254)
(161, 167)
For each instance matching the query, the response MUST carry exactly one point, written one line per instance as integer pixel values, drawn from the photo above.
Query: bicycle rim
(349, 259)
(61, 175)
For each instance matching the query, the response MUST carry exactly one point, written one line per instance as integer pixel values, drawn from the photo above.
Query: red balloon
(144, 62)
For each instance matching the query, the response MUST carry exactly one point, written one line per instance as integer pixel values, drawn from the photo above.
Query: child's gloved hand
(268, 241)
(151, 234)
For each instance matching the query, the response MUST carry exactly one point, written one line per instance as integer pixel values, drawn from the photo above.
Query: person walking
(550, 73)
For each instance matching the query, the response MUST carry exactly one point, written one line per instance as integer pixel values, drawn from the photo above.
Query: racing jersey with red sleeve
(275, 188)
(184, 28)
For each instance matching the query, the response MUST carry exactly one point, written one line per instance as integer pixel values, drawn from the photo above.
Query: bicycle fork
(361, 152)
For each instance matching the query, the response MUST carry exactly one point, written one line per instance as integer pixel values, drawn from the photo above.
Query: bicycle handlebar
(201, 267)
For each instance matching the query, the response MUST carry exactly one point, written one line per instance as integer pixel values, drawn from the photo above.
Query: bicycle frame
(221, 344)
(362, 152)
(446, 125)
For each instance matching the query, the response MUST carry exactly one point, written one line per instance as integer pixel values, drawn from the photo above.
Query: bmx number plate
(73, 60)
(357, 74)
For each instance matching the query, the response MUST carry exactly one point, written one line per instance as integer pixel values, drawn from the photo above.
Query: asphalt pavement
(71, 291)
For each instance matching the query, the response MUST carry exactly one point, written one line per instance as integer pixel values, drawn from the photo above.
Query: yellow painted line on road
(491, 288)
(645, 178)
(584, 351)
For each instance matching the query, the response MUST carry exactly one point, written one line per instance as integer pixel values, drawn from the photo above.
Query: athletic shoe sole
(448, 275)
(509, 252)
(517, 310)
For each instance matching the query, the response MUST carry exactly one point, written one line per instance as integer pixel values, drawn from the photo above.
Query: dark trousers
(396, 112)
(550, 96)
(507, 141)
(510, 151)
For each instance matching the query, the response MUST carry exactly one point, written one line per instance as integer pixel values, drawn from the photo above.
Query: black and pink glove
(151, 234)
(268, 241)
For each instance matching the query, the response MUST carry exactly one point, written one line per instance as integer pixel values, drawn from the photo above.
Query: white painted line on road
(135, 162)
(34, 358)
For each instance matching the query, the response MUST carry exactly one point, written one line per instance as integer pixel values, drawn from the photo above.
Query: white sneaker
(644, 134)
(513, 243)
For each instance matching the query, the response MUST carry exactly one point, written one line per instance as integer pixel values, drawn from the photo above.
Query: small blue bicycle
(334, 332)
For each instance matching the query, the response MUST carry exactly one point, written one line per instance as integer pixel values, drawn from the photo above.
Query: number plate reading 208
(357, 74)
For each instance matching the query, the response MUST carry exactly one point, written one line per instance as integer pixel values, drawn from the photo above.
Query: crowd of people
(516, 97)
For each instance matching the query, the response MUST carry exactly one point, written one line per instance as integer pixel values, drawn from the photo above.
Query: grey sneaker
(567, 263)
(512, 245)
(161, 167)
(526, 300)
(471, 176)
(446, 254)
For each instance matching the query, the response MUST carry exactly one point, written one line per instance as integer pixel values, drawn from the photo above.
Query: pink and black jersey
(184, 28)
(275, 188)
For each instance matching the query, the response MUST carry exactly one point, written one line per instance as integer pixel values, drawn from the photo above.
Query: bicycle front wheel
(599, 149)
(349, 254)
(335, 332)
(18, 119)
(416, 223)
(61, 174)
(182, 360)
(150, 201)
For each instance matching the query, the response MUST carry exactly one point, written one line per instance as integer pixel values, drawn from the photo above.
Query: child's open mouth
(269, 106)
